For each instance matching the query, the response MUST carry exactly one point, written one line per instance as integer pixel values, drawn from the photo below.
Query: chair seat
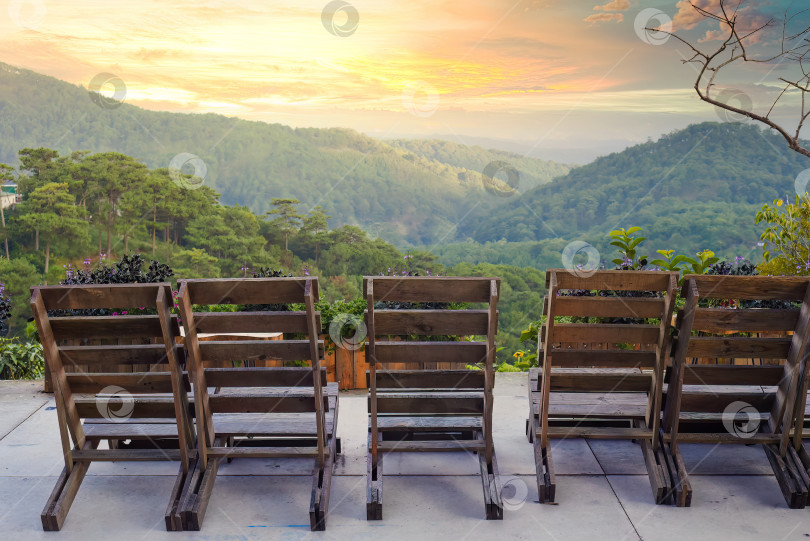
(427, 423)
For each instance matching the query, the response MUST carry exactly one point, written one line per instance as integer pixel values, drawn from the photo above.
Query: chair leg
(173, 517)
(322, 483)
(374, 485)
(491, 485)
(543, 465)
(60, 500)
(63, 494)
(789, 475)
(681, 487)
(657, 470)
(197, 493)
(530, 421)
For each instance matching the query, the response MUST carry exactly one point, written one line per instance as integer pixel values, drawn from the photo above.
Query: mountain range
(409, 196)
(692, 189)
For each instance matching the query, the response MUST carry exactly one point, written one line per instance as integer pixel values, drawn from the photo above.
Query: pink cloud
(748, 19)
(604, 17)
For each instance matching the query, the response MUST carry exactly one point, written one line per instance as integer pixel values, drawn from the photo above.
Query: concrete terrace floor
(602, 488)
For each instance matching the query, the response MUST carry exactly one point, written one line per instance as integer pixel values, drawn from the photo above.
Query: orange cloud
(614, 5)
(604, 17)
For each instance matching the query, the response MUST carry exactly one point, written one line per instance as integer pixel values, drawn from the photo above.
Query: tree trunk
(109, 240)
(5, 235)
(47, 256)
(126, 243)
(99, 242)
(36, 239)
(154, 227)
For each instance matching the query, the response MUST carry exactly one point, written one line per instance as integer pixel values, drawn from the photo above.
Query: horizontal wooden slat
(788, 288)
(427, 352)
(125, 407)
(612, 433)
(258, 350)
(431, 403)
(247, 290)
(612, 280)
(430, 289)
(711, 401)
(606, 333)
(738, 347)
(261, 377)
(723, 437)
(627, 358)
(277, 425)
(749, 320)
(131, 430)
(265, 452)
(607, 307)
(432, 379)
(135, 383)
(288, 402)
(428, 423)
(431, 446)
(719, 417)
(597, 379)
(247, 322)
(122, 326)
(430, 322)
(610, 405)
(76, 297)
(107, 356)
(727, 374)
(124, 455)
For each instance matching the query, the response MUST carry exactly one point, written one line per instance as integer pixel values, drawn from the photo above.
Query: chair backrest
(621, 321)
(254, 291)
(403, 307)
(137, 318)
(416, 306)
(723, 319)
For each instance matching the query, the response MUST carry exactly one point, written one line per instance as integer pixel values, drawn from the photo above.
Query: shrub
(20, 360)
(5, 310)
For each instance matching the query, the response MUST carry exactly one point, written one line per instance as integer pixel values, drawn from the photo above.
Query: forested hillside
(697, 188)
(474, 159)
(81, 211)
(356, 179)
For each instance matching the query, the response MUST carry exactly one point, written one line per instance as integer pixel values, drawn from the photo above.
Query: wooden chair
(258, 412)
(602, 378)
(99, 403)
(443, 405)
(742, 404)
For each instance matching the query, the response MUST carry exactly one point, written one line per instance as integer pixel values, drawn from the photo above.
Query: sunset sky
(541, 73)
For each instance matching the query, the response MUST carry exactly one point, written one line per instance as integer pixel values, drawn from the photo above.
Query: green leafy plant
(706, 259)
(670, 261)
(506, 367)
(628, 244)
(20, 360)
(626, 241)
(786, 247)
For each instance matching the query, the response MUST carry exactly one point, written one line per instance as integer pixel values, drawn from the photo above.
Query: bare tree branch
(794, 50)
